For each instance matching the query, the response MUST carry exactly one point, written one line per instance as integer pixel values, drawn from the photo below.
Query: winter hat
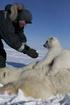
(25, 15)
(8, 7)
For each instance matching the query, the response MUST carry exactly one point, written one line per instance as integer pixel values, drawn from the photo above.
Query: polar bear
(54, 49)
(34, 82)
(34, 86)
(58, 56)
(50, 64)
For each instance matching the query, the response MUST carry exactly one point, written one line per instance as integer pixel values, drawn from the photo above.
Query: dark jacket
(10, 33)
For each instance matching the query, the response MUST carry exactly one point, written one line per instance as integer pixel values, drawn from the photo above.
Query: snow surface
(18, 60)
(20, 99)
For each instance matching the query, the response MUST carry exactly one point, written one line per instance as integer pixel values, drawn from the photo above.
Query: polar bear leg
(54, 69)
(9, 89)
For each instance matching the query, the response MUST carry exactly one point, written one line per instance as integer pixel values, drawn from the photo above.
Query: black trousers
(2, 55)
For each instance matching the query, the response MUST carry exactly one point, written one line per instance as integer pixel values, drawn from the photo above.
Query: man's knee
(2, 58)
(2, 61)
(2, 53)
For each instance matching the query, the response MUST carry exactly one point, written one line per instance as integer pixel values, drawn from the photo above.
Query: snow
(20, 99)
(16, 59)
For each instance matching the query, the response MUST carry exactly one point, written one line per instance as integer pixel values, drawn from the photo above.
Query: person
(13, 19)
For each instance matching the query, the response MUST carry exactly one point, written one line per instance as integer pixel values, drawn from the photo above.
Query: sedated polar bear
(32, 79)
(50, 64)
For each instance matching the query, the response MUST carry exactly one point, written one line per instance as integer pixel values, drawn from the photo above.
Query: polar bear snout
(45, 44)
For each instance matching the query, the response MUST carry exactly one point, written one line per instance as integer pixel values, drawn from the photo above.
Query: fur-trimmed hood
(17, 11)
(12, 10)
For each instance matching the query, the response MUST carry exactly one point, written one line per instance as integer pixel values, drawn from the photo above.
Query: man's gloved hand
(30, 52)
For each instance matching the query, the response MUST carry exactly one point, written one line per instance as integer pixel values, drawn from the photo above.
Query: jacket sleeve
(22, 36)
(14, 40)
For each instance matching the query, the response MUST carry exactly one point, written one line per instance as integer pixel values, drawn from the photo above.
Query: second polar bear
(54, 49)
(57, 56)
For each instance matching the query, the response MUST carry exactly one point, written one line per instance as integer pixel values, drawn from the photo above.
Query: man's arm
(15, 40)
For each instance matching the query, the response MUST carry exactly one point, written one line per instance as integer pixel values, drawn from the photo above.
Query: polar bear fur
(36, 79)
(54, 49)
(59, 56)
(34, 86)
(9, 75)
(62, 61)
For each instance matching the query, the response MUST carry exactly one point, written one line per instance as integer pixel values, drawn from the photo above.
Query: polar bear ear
(51, 38)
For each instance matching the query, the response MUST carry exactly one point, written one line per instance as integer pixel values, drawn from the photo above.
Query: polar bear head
(52, 42)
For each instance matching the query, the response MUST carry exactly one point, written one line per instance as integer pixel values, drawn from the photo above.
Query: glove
(30, 52)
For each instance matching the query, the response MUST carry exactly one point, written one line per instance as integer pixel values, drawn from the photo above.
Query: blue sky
(50, 18)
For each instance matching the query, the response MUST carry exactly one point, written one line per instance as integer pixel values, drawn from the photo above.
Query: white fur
(54, 49)
(41, 80)
(62, 61)
(59, 55)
